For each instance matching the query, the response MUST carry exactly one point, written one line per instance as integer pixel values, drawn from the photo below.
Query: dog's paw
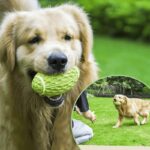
(115, 127)
(138, 124)
(143, 122)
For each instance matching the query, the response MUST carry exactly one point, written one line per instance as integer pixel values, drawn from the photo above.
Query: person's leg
(81, 131)
(82, 102)
(83, 105)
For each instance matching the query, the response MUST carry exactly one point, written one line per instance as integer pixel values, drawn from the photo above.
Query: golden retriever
(131, 108)
(51, 40)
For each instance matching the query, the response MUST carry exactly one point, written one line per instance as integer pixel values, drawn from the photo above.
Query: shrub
(128, 18)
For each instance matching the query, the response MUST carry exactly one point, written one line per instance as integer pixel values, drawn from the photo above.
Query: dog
(50, 41)
(131, 108)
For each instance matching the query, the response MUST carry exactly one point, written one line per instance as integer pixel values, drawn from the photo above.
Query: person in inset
(81, 131)
(82, 107)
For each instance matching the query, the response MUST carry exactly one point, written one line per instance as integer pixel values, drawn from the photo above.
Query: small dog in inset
(131, 108)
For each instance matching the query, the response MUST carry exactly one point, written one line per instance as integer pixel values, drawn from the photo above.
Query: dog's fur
(26, 121)
(131, 108)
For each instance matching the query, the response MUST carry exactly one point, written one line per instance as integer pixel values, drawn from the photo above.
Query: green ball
(56, 84)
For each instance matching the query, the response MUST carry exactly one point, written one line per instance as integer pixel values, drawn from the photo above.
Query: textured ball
(57, 84)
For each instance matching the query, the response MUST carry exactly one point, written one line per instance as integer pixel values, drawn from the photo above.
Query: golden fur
(26, 121)
(131, 108)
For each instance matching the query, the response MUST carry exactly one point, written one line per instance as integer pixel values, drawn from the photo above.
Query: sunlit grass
(104, 134)
(123, 57)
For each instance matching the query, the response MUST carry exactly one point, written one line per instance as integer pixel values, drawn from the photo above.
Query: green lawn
(123, 57)
(104, 134)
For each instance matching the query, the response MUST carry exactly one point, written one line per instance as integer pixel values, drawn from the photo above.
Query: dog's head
(120, 99)
(50, 41)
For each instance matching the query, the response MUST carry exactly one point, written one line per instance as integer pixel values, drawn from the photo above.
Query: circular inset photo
(113, 111)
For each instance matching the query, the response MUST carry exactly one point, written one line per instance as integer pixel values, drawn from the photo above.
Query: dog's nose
(115, 100)
(57, 60)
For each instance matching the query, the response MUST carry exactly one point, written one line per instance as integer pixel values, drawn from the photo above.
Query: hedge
(119, 84)
(129, 18)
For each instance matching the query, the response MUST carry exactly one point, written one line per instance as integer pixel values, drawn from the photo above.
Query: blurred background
(110, 86)
(121, 35)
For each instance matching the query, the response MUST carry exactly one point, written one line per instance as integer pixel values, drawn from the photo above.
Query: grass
(127, 135)
(123, 57)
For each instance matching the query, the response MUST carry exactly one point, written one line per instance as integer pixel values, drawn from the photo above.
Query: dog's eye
(67, 37)
(35, 39)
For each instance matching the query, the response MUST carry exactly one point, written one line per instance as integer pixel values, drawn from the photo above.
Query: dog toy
(56, 84)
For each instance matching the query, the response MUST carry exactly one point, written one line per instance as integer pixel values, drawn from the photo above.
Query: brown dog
(131, 108)
(51, 40)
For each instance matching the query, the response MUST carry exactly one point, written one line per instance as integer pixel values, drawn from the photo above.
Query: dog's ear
(86, 35)
(89, 72)
(125, 99)
(7, 42)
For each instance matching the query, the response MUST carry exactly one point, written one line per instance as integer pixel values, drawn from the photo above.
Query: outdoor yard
(123, 57)
(129, 134)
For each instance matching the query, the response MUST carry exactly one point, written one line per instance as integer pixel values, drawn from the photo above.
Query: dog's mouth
(31, 73)
(117, 103)
(55, 101)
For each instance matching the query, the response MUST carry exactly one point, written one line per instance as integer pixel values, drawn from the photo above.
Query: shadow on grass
(129, 124)
(126, 124)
